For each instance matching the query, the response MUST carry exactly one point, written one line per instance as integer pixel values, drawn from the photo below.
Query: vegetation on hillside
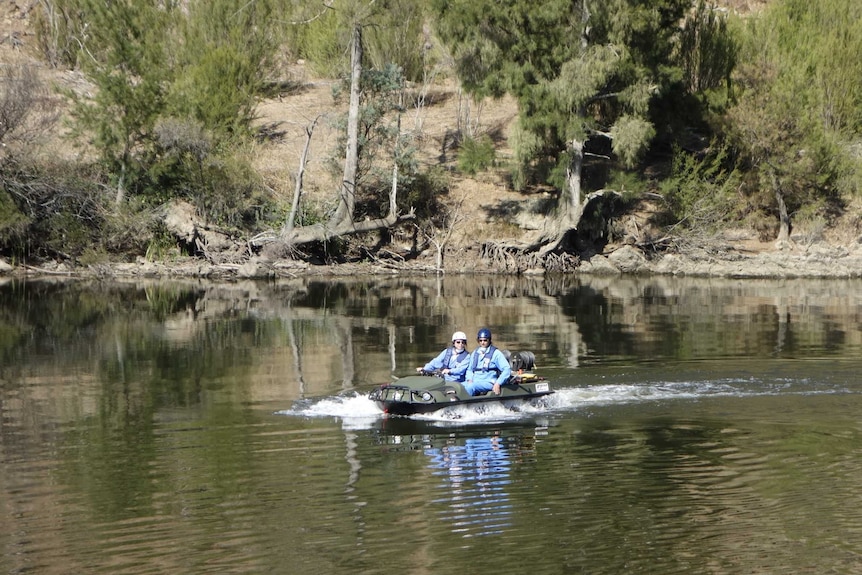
(727, 119)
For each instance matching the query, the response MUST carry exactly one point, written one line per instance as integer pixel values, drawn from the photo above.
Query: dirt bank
(793, 261)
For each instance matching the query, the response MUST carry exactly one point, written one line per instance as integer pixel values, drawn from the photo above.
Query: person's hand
(419, 370)
(496, 389)
(445, 371)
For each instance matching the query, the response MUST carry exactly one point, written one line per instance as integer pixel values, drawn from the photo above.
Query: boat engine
(522, 361)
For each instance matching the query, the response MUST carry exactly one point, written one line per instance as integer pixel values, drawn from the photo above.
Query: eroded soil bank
(792, 261)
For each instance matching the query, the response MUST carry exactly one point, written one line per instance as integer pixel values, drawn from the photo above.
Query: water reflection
(475, 473)
(307, 338)
(137, 427)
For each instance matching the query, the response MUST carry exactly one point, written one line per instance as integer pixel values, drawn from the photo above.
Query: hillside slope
(487, 208)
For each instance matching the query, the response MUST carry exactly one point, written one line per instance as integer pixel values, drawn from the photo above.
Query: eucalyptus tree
(376, 157)
(586, 74)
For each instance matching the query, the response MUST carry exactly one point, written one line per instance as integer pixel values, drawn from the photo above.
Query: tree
(122, 54)
(222, 50)
(798, 111)
(197, 63)
(584, 73)
(342, 221)
(394, 34)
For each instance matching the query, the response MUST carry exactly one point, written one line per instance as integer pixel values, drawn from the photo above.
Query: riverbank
(791, 261)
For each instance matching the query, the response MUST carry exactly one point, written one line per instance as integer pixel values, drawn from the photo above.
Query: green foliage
(796, 113)
(48, 210)
(222, 49)
(162, 245)
(66, 234)
(700, 190)
(234, 195)
(708, 50)
(123, 55)
(580, 71)
(222, 186)
(526, 146)
(176, 92)
(13, 223)
(380, 141)
(393, 34)
(397, 37)
(630, 184)
(322, 44)
(309, 214)
(425, 192)
(177, 167)
(631, 135)
(476, 155)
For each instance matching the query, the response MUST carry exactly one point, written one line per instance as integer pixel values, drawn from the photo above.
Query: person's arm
(505, 370)
(435, 364)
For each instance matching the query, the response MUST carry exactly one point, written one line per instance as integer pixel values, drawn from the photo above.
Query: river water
(698, 426)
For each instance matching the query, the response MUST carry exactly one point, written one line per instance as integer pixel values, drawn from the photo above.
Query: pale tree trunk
(341, 223)
(574, 170)
(347, 199)
(783, 215)
(784, 218)
(121, 186)
(571, 206)
(297, 192)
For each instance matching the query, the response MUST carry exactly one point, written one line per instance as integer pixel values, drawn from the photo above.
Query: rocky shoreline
(817, 261)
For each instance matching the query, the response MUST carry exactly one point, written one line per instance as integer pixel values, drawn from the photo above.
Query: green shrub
(66, 235)
(162, 245)
(699, 191)
(13, 223)
(476, 155)
(424, 193)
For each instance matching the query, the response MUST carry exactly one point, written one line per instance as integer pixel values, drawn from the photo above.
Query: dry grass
(286, 119)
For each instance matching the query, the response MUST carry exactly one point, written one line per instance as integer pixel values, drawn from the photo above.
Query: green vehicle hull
(424, 394)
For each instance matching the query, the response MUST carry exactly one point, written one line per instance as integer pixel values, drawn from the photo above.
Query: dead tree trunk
(297, 192)
(341, 223)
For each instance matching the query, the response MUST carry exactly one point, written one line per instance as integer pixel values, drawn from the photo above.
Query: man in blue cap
(488, 368)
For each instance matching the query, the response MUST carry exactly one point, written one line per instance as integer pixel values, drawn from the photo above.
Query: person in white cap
(453, 361)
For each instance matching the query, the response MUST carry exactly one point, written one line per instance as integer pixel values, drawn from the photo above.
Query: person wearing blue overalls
(452, 361)
(488, 368)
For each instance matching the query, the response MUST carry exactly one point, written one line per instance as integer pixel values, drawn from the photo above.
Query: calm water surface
(699, 426)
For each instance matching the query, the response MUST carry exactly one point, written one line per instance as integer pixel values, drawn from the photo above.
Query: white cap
(459, 335)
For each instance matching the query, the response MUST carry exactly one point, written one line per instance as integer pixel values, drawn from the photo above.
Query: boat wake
(358, 411)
